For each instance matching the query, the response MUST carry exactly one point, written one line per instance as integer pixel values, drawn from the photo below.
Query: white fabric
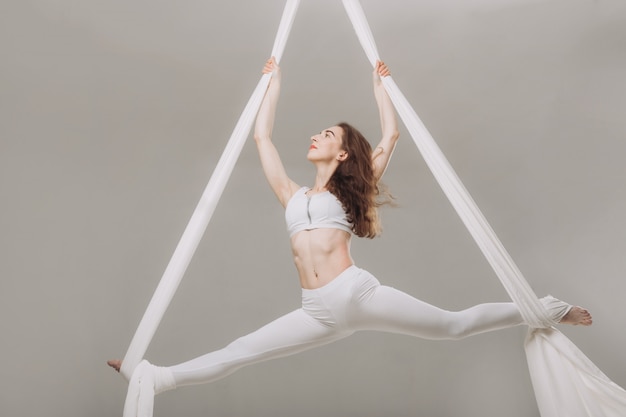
(204, 210)
(566, 383)
(140, 395)
(512, 279)
(147, 381)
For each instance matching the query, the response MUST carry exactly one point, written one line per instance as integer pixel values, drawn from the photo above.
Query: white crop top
(318, 211)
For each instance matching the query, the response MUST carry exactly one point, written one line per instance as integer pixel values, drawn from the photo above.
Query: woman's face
(327, 146)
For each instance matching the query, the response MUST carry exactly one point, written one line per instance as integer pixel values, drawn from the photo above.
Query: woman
(337, 297)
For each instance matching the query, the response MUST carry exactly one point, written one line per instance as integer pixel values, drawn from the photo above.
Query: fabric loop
(147, 381)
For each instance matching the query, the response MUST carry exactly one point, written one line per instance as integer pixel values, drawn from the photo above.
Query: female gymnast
(338, 298)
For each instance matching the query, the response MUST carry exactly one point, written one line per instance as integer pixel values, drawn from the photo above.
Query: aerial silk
(566, 382)
(204, 210)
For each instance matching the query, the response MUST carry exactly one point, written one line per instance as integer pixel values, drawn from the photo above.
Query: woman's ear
(343, 155)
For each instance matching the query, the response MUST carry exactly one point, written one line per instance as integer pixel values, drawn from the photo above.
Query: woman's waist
(339, 279)
(316, 274)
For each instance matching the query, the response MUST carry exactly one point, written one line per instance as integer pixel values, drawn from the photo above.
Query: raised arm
(273, 168)
(389, 126)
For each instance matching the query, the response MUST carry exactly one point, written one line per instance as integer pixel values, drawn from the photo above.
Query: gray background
(113, 115)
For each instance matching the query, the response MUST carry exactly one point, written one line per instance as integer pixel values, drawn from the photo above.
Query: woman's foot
(577, 316)
(115, 364)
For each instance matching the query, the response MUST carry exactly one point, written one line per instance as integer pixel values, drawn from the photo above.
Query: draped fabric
(204, 210)
(501, 262)
(140, 396)
(566, 382)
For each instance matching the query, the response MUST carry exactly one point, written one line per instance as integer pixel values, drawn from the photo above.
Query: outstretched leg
(290, 334)
(387, 309)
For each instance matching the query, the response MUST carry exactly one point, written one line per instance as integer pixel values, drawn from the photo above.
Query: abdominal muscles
(320, 255)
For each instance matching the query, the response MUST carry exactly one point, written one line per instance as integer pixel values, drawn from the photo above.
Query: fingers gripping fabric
(202, 215)
(559, 370)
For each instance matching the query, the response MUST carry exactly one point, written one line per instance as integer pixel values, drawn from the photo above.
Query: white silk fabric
(140, 397)
(566, 382)
(204, 210)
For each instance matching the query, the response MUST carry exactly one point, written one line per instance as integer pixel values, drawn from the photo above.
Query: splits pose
(338, 298)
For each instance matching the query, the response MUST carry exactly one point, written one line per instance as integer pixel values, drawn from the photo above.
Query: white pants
(353, 301)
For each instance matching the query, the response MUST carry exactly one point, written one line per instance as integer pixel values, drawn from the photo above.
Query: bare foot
(577, 316)
(117, 364)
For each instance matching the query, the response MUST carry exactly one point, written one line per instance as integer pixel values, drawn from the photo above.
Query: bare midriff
(320, 255)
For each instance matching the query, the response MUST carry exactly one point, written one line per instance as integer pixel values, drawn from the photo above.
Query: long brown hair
(354, 183)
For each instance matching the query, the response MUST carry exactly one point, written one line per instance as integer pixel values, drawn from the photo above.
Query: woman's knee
(455, 326)
(481, 318)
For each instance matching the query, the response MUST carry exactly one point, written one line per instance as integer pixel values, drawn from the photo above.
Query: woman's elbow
(260, 137)
(393, 136)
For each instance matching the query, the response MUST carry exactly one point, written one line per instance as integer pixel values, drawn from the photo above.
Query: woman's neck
(321, 181)
(322, 176)
(316, 189)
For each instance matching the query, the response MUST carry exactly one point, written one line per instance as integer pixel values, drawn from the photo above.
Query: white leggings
(353, 301)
